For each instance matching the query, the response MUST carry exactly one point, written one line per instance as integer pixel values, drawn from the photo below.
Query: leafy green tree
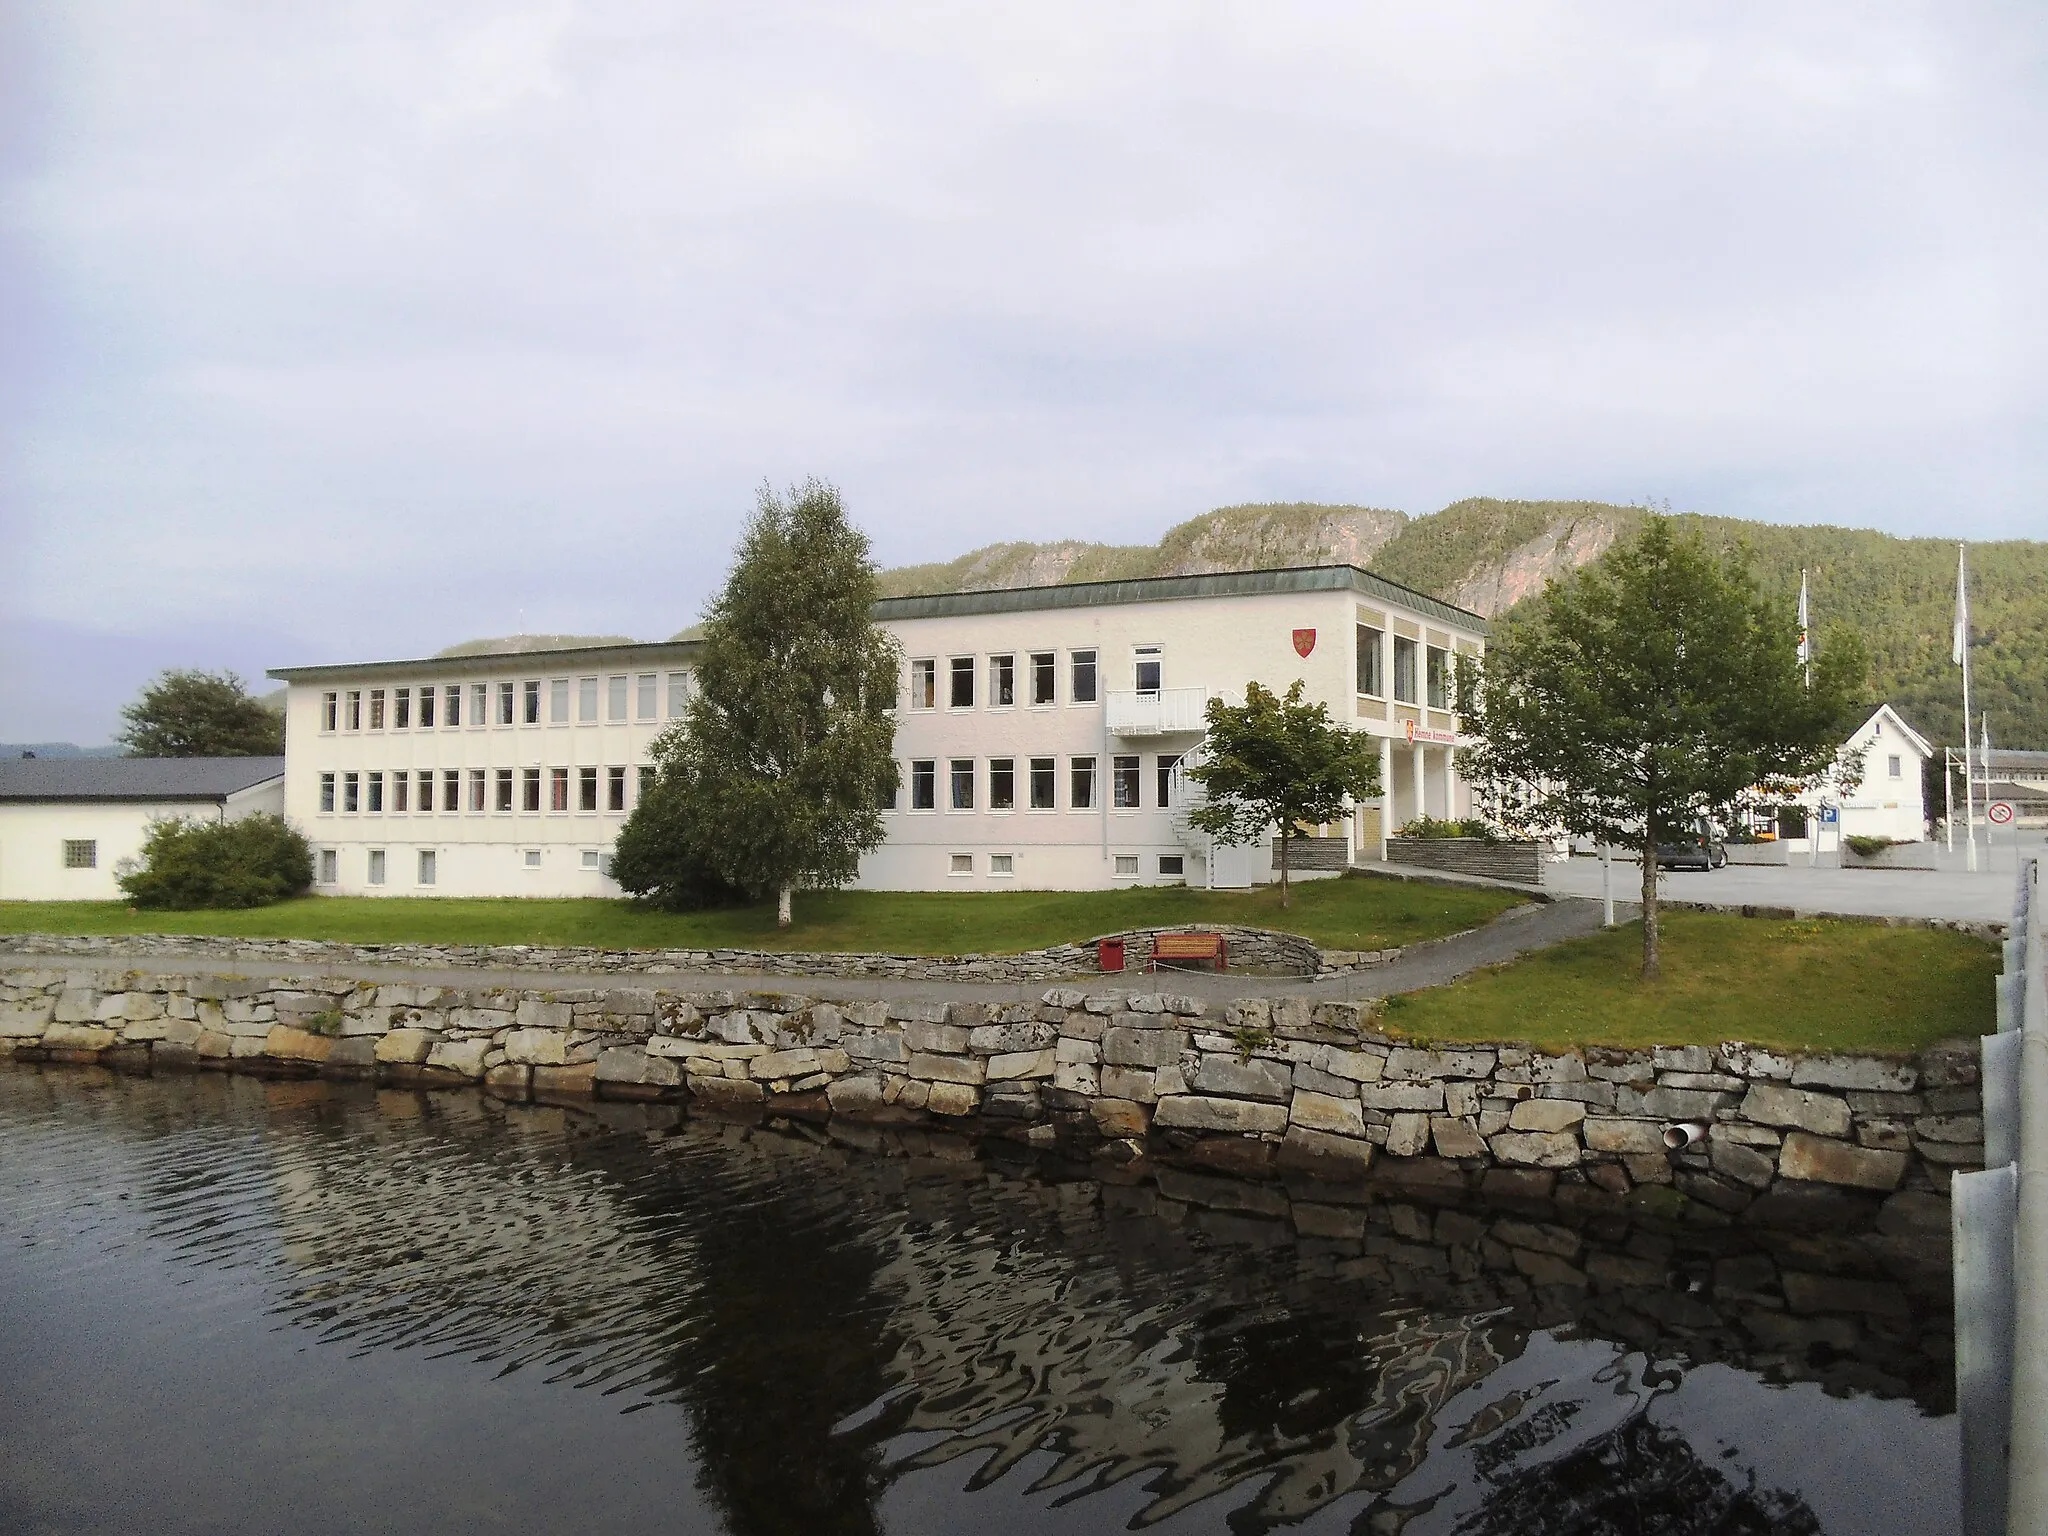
(1278, 761)
(773, 777)
(1648, 691)
(245, 863)
(186, 713)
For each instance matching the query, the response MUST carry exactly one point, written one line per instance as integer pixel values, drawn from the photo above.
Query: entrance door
(1230, 868)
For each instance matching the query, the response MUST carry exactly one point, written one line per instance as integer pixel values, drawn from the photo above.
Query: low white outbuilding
(66, 823)
(1888, 800)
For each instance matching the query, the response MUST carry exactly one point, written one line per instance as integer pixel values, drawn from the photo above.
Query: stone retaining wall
(1469, 856)
(1250, 1087)
(1312, 854)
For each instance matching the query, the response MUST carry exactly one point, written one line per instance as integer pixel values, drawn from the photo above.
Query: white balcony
(1159, 712)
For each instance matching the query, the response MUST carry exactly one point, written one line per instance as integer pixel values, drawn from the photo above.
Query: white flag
(1962, 640)
(1805, 640)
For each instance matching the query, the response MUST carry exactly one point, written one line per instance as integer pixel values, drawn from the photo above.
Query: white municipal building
(1039, 733)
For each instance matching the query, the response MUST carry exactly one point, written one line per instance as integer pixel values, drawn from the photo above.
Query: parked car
(1693, 850)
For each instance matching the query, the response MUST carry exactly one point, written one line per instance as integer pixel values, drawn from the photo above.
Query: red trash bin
(1111, 952)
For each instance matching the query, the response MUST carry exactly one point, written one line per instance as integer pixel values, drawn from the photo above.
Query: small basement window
(1173, 864)
(427, 870)
(963, 864)
(330, 866)
(376, 866)
(533, 858)
(1127, 864)
(81, 853)
(590, 858)
(1002, 864)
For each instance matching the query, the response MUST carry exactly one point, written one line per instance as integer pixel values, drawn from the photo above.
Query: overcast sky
(340, 332)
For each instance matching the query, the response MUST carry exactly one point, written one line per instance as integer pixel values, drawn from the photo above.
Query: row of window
(967, 779)
(426, 869)
(1005, 864)
(1035, 683)
(564, 701)
(478, 789)
(1372, 669)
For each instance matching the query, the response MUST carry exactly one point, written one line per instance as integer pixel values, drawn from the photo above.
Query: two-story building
(1041, 734)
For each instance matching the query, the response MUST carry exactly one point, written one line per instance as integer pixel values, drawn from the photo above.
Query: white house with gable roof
(1040, 738)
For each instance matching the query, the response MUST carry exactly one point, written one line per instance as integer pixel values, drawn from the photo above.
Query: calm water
(227, 1305)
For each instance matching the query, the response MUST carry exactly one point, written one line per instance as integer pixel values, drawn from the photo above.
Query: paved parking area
(1950, 891)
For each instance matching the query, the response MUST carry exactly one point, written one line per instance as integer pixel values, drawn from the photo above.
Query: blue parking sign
(1829, 813)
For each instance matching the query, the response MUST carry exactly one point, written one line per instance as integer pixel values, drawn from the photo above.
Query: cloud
(371, 328)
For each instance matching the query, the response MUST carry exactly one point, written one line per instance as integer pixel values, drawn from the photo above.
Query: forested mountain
(1488, 555)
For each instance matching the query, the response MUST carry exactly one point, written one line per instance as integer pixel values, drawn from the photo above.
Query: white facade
(74, 849)
(1033, 779)
(1889, 799)
(475, 776)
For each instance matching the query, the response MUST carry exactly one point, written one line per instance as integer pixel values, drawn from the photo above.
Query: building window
(645, 692)
(615, 697)
(1127, 864)
(376, 876)
(401, 709)
(558, 789)
(1002, 864)
(1893, 765)
(452, 697)
(586, 699)
(1404, 670)
(503, 787)
(81, 853)
(1146, 669)
(586, 789)
(400, 784)
(376, 796)
(1002, 681)
(427, 698)
(1082, 683)
(351, 793)
(558, 701)
(530, 715)
(962, 694)
(352, 718)
(1045, 668)
(427, 870)
(591, 859)
(376, 709)
(1044, 775)
(476, 789)
(327, 793)
(529, 789)
(1437, 674)
(507, 703)
(1124, 783)
(924, 784)
(1080, 783)
(924, 684)
(615, 789)
(532, 859)
(678, 694)
(647, 777)
(885, 792)
(427, 789)
(1166, 767)
(1002, 783)
(1173, 864)
(1369, 664)
(330, 711)
(962, 779)
(479, 704)
(962, 864)
(330, 866)
(451, 791)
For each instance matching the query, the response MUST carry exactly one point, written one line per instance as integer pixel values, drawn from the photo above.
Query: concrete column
(1386, 791)
(1421, 783)
(1450, 783)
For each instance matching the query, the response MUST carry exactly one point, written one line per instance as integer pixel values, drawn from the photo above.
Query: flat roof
(1161, 589)
(647, 651)
(208, 779)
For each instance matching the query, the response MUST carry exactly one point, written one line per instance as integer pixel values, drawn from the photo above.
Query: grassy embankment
(1352, 913)
(1789, 985)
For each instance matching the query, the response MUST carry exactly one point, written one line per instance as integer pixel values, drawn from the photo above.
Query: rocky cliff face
(1494, 586)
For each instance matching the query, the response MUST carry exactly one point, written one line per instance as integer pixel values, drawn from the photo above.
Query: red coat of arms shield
(1304, 641)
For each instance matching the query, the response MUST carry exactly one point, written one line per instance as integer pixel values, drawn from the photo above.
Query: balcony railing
(1158, 712)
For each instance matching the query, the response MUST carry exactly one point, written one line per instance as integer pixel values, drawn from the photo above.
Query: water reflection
(840, 1323)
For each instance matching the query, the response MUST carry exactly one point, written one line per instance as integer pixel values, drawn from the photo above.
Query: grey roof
(648, 653)
(133, 778)
(1159, 589)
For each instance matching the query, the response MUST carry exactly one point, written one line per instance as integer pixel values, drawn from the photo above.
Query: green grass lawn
(1794, 985)
(1356, 912)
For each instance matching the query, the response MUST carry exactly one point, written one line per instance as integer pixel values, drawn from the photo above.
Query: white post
(1386, 791)
(1948, 795)
(1421, 785)
(1606, 884)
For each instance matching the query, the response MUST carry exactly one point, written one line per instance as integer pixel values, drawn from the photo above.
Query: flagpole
(1963, 655)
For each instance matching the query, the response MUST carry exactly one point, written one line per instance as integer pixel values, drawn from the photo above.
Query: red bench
(1183, 947)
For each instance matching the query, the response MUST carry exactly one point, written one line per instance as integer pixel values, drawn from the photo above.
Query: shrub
(245, 863)
(1869, 847)
(1430, 827)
